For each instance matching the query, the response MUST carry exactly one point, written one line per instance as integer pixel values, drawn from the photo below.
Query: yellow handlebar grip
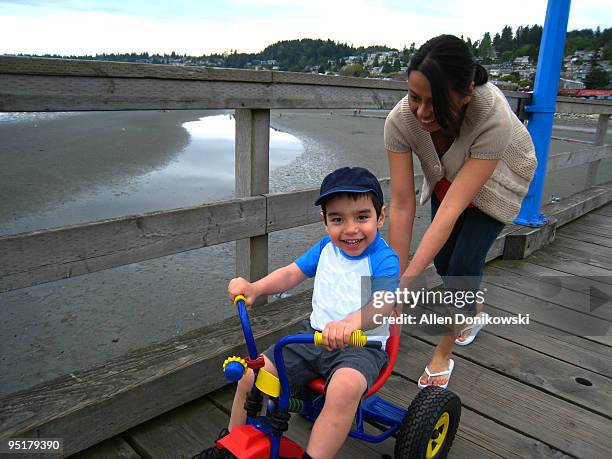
(238, 298)
(358, 338)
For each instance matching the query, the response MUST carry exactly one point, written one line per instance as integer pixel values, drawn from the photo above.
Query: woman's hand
(336, 335)
(240, 286)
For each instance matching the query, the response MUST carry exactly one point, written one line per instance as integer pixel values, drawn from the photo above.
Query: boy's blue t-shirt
(344, 284)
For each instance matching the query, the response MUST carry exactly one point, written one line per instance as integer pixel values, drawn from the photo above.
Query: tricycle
(425, 430)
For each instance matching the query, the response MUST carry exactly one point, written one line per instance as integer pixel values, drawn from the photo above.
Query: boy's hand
(336, 335)
(240, 286)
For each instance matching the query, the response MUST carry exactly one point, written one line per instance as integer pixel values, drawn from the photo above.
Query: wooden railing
(31, 84)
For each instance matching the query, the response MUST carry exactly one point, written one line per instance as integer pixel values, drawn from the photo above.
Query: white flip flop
(448, 373)
(473, 329)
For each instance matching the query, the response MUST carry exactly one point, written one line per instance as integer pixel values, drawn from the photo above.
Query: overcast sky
(200, 27)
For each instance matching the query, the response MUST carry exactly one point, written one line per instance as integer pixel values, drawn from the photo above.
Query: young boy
(352, 211)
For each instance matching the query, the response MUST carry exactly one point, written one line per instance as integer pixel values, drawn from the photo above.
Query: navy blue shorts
(461, 260)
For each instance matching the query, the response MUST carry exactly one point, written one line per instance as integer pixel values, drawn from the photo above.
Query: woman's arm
(470, 179)
(403, 204)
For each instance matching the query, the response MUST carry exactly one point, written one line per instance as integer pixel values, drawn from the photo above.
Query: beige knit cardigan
(490, 130)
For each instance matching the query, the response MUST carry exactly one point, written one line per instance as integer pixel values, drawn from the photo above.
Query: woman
(477, 159)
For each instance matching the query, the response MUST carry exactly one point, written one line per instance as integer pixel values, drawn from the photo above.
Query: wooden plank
(553, 277)
(42, 256)
(18, 65)
(39, 84)
(575, 233)
(600, 135)
(478, 436)
(252, 178)
(523, 242)
(578, 204)
(590, 107)
(92, 405)
(577, 158)
(604, 210)
(530, 367)
(579, 227)
(554, 260)
(551, 290)
(82, 68)
(575, 350)
(599, 220)
(545, 312)
(332, 80)
(115, 447)
(288, 210)
(180, 433)
(68, 93)
(520, 407)
(299, 431)
(582, 255)
(252, 152)
(577, 244)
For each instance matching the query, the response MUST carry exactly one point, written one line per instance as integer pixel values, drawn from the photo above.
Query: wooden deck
(541, 390)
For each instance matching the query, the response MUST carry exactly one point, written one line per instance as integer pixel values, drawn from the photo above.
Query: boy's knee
(346, 385)
(246, 382)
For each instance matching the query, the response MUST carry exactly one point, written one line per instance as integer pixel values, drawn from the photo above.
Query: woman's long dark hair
(448, 63)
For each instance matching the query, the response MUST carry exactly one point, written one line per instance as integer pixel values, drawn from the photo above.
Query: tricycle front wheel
(429, 427)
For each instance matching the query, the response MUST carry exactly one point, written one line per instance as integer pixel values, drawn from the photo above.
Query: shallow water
(202, 172)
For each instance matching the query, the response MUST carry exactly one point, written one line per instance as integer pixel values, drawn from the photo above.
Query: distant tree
(522, 51)
(506, 40)
(485, 48)
(496, 40)
(513, 77)
(397, 66)
(352, 70)
(507, 56)
(387, 67)
(597, 78)
(607, 51)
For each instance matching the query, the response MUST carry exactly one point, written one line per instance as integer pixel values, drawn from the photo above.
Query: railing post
(600, 136)
(252, 174)
(542, 105)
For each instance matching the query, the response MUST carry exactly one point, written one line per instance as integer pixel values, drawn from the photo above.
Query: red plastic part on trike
(246, 442)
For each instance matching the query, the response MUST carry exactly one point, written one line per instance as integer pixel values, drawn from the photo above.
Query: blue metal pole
(542, 105)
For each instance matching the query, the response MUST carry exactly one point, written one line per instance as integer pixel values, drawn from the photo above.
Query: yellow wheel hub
(436, 440)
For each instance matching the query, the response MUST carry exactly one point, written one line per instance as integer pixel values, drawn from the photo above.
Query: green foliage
(352, 70)
(607, 51)
(598, 78)
(300, 55)
(485, 49)
(512, 78)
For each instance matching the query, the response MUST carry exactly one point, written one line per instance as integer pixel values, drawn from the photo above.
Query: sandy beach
(61, 327)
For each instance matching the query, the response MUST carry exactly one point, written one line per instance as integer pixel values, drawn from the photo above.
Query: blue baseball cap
(350, 180)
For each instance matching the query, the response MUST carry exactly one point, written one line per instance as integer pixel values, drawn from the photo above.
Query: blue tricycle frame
(420, 433)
